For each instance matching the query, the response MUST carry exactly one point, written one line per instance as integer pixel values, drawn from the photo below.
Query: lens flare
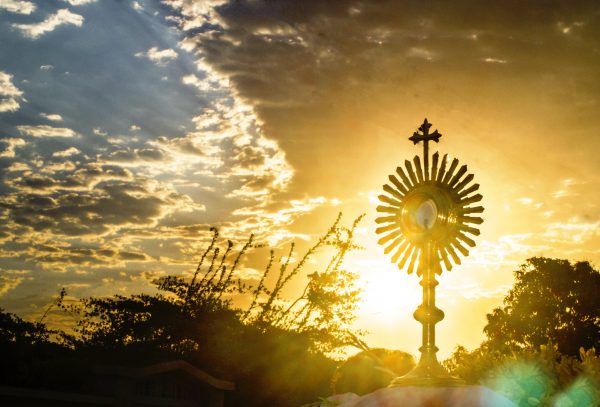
(582, 392)
(524, 383)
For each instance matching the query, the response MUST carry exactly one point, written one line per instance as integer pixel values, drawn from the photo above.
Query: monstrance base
(404, 381)
(428, 373)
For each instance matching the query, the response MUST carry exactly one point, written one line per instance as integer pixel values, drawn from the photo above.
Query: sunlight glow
(388, 296)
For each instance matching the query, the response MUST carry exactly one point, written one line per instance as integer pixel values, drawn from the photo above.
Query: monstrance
(427, 218)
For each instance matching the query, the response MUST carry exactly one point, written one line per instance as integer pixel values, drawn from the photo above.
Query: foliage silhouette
(264, 347)
(15, 330)
(552, 300)
(33, 357)
(541, 347)
(532, 376)
(276, 349)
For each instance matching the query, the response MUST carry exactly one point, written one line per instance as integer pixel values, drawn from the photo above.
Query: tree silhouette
(552, 301)
(542, 344)
(263, 347)
(15, 330)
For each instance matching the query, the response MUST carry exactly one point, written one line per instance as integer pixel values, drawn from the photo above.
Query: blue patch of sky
(96, 81)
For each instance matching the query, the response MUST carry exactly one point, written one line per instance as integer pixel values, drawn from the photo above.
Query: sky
(129, 128)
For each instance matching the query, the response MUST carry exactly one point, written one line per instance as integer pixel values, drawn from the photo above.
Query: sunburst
(429, 205)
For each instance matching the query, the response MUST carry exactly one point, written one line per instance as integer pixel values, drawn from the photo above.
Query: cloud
(324, 77)
(9, 105)
(44, 130)
(190, 145)
(568, 28)
(574, 231)
(495, 60)
(421, 53)
(92, 205)
(525, 201)
(61, 17)
(66, 216)
(193, 80)
(137, 6)
(332, 87)
(272, 224)
(475, 291)
(566, 189)
(81, 178)
(205, 85)
(160, 57)
(18, 6)
(50, 254)
(230, 146)
(46, 67)
(10, 95)
(194, 14)
(134, 127)
(66, 153)
(105, 207)
(10, 144)
(129, 155)
(8, 283)
(18, 167)
(79, 2)
(53, 117)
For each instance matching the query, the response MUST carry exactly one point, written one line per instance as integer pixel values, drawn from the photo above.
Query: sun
(388, 296)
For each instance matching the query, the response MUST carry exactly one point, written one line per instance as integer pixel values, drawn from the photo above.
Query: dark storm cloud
(323, 76)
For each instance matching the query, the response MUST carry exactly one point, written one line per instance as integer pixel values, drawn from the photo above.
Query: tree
(263, 347)
(552, 300)
(32, 355)
(323, 311)
(17, 331)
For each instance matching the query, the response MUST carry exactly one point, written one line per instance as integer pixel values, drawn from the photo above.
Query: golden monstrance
(427, 216)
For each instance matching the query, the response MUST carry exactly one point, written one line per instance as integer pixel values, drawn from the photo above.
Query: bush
(541, 377)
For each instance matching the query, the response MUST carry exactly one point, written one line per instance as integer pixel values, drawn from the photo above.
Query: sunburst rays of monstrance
(428, 216)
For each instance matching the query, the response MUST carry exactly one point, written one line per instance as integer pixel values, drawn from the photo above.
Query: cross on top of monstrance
(427, 220)
(425, 137)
